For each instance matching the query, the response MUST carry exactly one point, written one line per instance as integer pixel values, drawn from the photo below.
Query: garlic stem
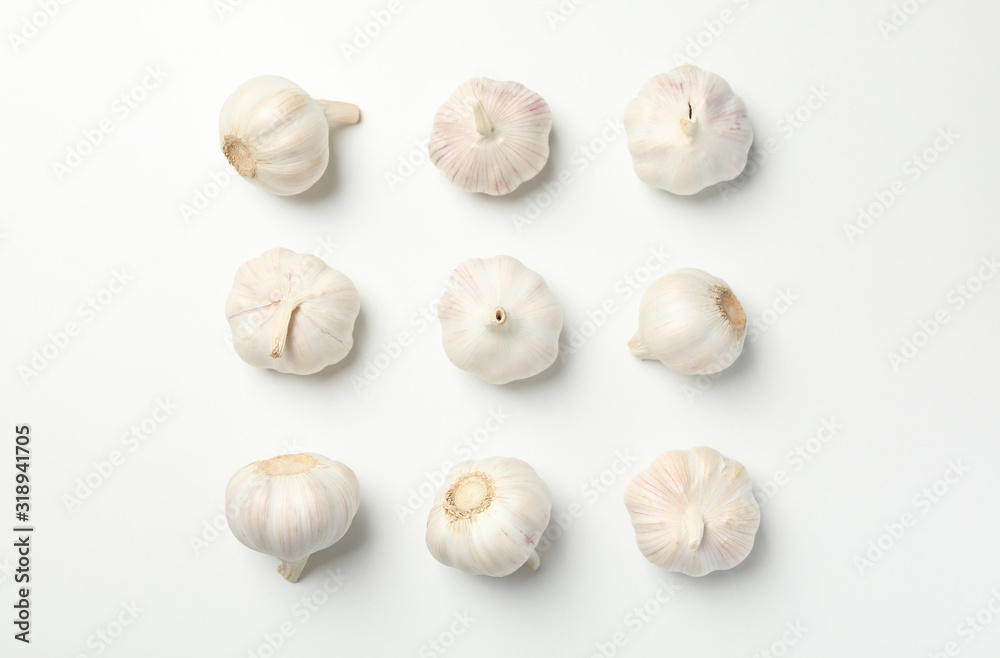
(292, 570)
(499, 315)
(534, 561)
(281, 321)
(337, 112)
(689, 126)
(694, 525)
(483, 124)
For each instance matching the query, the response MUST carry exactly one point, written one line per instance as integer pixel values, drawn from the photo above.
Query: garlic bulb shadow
(359, 534)
(535, 381)
(722, 190)
(332, 179)
(753, 567)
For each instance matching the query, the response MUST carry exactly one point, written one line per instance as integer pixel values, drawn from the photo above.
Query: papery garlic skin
(489, 516)
(291, 312)
(277, 136)
(499, 320)
(691, 322)
(693, 511)
(687, 130)
(491, 136)
(292, 506)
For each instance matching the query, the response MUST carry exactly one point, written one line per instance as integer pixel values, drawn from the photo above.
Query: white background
(143, 536)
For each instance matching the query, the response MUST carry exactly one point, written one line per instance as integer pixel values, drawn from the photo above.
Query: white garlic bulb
(491, 136)
(277, 136)
(691, 322)
(687, 130)
(291, 312)
(292, 506)
(499, 320)
(488, 517)
(693, 511)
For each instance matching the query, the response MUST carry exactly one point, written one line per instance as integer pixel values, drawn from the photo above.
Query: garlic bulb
(276, 136)
(291, 312)
(292, 506)
(489, 516)
(691, 322)
(499, 320)
(687, 130)
(693, 511)
(491, 136)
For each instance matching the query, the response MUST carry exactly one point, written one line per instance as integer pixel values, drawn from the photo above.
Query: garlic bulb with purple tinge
(491, 136)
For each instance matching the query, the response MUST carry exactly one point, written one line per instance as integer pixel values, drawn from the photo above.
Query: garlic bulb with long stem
(292, 506)
(291, 312)
(691, 322)
(277, 136)
(488, 517)
(693, 511)
(499, 320)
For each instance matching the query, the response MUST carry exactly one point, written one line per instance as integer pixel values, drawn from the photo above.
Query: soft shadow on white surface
(753, 567)
(358, 536)
(330, 182)
(743, 366)
(541, 379)
(734, 187)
